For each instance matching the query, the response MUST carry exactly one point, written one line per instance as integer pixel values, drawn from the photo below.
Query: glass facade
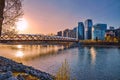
(75, 30)
(88, 29)
(98, 31)
(80, 31)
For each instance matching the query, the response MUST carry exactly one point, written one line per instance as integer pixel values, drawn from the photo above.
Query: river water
(86, 63)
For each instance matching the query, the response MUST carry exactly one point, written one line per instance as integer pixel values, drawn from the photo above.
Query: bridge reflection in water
(28, 52)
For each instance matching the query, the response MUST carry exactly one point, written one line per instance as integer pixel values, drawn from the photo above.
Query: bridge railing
(35, 37)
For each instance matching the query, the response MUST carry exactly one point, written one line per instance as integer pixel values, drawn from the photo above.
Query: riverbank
(100, 43)
(11, 70)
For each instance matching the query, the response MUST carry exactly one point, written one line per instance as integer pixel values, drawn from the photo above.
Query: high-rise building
(80, 31)
(72, 34)
(66, 32)
(69, 33)
(117, 32)
(112, 28)
(88, 29)
(59, 33)
(98, 31)
(75, 32)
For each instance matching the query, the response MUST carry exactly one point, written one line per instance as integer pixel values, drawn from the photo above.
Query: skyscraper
(88, 29)
(98, 31)
(75, 30)
(80, 31)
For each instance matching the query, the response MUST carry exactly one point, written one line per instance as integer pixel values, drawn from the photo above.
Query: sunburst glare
(22, 24)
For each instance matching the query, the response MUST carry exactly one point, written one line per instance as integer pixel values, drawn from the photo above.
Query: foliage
(64, 72)
(91, 40)
(12, 12)
(107, 38)
(111, 39)
(115, 39)
(118, 39)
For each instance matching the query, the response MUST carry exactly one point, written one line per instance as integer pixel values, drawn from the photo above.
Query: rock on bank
(8, 67)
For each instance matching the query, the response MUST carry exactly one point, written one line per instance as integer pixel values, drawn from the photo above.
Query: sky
(51, 16)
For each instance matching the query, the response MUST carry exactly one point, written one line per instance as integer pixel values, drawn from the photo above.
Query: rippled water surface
(86, 63)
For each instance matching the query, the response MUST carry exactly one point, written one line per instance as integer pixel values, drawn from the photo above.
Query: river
(86, 63)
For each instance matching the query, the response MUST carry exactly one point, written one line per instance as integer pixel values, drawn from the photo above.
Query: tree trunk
(2, 5)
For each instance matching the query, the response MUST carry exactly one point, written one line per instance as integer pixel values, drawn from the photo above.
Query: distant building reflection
(93, 55)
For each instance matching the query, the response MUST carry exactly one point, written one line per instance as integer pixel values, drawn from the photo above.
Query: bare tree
(2, 5)
(11, 13)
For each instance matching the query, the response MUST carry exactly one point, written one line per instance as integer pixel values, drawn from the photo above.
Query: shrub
(63, 72)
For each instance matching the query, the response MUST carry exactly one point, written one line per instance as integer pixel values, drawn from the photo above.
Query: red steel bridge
(35, 37)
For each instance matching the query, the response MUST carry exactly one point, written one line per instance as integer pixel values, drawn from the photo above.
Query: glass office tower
(88, 29)
(80, 31)
(98, 31)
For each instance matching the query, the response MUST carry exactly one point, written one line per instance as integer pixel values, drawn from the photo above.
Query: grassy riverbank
(99, 43)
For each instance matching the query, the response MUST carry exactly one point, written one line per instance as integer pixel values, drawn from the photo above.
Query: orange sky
(47, 22)
(46, 26)
(50, 16)
(46, 19)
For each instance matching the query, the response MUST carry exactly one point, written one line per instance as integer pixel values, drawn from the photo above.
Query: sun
(21, 24)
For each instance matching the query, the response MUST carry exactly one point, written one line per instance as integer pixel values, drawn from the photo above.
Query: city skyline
(59, 15)
(88, 31)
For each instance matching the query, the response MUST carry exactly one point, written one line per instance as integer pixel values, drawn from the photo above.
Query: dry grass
(26, 76)
(63, 72)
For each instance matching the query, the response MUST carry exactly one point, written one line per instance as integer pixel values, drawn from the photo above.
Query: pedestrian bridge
(35, 37)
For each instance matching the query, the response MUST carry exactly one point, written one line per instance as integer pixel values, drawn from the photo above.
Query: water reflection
(98, 63)
(19, 46)
(28, 52)
(93, 55)
(19, 54)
